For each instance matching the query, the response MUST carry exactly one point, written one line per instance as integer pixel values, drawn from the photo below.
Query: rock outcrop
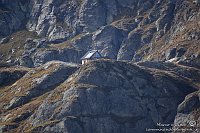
(102, 96)
(155, 49)
(188, 114)
(32, 85)
(137, 30)
(13, 15)
(10, 75)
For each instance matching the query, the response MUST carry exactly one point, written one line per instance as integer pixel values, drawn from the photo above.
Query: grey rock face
(188, 113)
(165, 21)
(55, 19)
(31, 44)
(92, 15)
(187, 117)
(108, 40)
(58, 21)
(12, 16)
(58, 35)
(130, 45)
(67, 55)
(30, 47)
(178, 70)
(82, 42)
(121, 98)
(114, 25)
(102, 96)
(191, 103)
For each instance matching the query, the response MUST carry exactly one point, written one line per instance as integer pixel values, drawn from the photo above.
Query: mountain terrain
(150, 72)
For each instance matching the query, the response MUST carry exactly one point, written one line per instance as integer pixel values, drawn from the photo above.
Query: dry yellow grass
(25, 84)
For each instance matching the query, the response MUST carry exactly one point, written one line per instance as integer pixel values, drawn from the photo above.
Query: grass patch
(68, 43)
(7, 123)
(15, 114)
(15, 43)
(23, 85)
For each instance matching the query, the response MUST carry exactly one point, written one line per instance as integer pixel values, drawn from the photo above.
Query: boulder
(188, 114)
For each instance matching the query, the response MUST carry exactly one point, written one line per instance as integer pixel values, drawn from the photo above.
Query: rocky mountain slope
(102, 96)
(121, 29)
(151, 73)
